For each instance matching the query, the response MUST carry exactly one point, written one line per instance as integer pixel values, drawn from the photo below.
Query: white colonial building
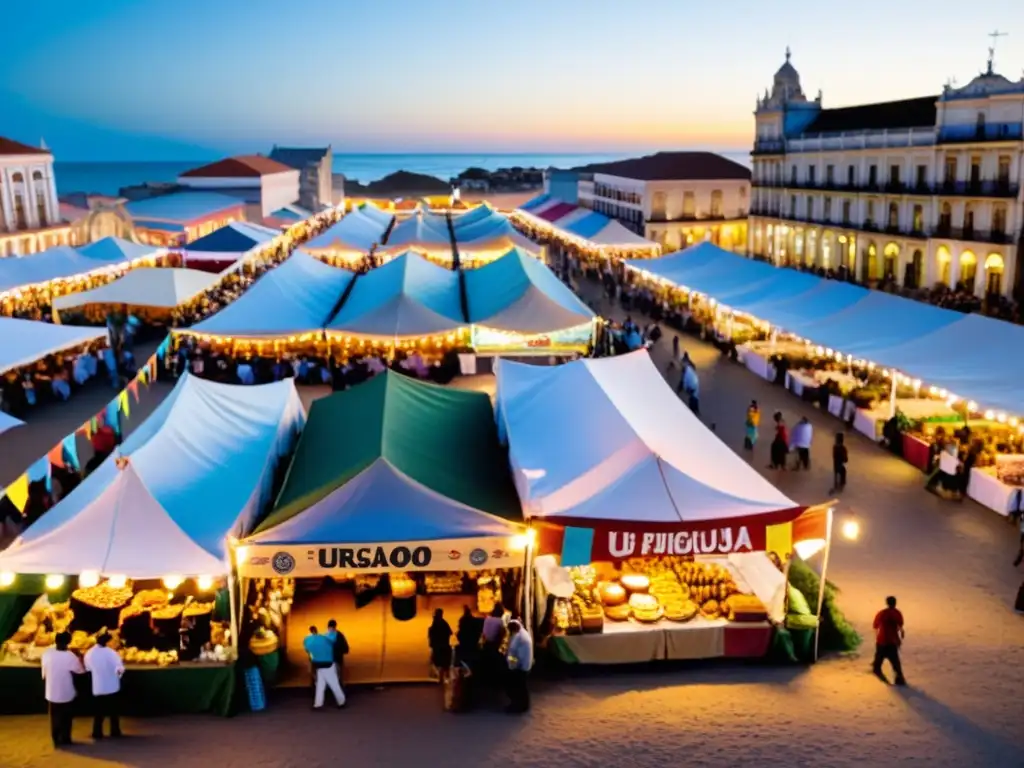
(923, 191)
(29, 212)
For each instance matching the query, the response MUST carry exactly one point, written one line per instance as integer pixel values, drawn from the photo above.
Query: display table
(145, 690)
(797, 381)
(989, 491)
(916, 451)
(869, 422)
(631, 643)
(840, 407)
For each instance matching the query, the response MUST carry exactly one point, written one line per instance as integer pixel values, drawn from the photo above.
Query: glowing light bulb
(54, 581)
(972, 406)
(88, 579)
(7, 578)
(851, 529)
(117, 581)
(205, 583)
(173, 581)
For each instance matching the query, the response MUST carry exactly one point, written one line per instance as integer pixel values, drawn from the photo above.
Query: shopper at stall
(888, 626)
(340, 646)
(59, 666)
(520, 661)
(800, 442)
(780, 443)
(840, 458)
(439, 637)
(321, 657)
(493, 636)
(106, 668)
(689, 385)
(468, 635)
(751, 425)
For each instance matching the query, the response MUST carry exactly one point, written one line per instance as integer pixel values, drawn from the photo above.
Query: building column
(29, 199)
(52, 203)
(6, 201)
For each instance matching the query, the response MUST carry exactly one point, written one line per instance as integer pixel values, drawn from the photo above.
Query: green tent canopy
(440, 438)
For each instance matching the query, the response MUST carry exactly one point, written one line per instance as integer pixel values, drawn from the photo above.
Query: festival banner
(310, 561)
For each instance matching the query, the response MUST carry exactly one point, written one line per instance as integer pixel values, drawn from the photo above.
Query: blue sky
(183, 79)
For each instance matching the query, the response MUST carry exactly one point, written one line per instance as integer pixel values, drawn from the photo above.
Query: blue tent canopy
(779, 286)
(116, 249)
(518, 293)
(975, 357)
(481, 213)
(535, 202)
(237, 237)
(675, 266)
(356, 231)
(408, 296)
(56, 263)
(296, 297)
(375, 214)
(876, 322)
(589, 225)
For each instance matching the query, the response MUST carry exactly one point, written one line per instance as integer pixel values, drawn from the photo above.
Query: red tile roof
(242, 166)
(11, 147)
(672, 166)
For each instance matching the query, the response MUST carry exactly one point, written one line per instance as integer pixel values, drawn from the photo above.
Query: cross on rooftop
(992, 49)
(788, 54)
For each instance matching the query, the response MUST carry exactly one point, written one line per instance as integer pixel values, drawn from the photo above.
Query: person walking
(752, 423)
(690, 385)
(439, 638)
(800, 442)
(780, 443)
(889, 634)
(840, 457)
(59, 667)
(340, 645)
(520, 661)
(325, 673)
(107, 668)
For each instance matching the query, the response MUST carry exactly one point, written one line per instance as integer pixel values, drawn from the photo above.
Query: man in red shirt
(888, 636)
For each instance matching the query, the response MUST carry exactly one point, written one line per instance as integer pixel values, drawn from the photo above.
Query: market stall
(425, 234)
(140, 549)
(413, 510)
(154, 292)
(409, 303)
(664, 532)
(519, 307)
(352, 238)
(228, 245)
(486, 238)
(23, 342)
(588, 234)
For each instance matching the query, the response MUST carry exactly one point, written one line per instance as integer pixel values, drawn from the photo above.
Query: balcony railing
(769, 147)
(981, 188)
(985, 188)
(966, 134)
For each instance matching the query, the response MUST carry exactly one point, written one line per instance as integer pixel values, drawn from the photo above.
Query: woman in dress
(780, 444)
(752, 423)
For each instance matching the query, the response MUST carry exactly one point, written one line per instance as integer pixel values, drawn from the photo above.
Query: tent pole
(528, 586)
(824, 574)
(233, 607)
(892, 397)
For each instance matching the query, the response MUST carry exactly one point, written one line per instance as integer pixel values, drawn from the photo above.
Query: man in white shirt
(59, 669)
(520, 661)
(106, 667)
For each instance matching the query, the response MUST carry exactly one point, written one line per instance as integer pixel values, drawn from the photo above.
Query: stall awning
(518, 293)
(294, 298)
(436, 443)
(408, 296)
(607, 439)
(25, 341)
(58, 263)
(196, 471)
(164, 288)
(357, 232)
(535, 202)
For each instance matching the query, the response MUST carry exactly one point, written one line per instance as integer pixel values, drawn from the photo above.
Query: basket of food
(263, 642)
(98, 607)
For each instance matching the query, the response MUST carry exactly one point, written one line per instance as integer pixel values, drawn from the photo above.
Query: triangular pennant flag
(94, 424)
(164, 346)
(134, 389)
(141, 376)
(87, 429)
(122, 402)
(151, 364)
(17, 492)
(56, 455)
(71, 452)
(113, 413)
(39, 469)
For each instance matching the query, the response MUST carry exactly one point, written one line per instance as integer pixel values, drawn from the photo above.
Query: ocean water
(108, 178)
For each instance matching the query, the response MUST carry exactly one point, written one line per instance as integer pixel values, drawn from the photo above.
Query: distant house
(181, 217)
(263, 184)
(316, 186)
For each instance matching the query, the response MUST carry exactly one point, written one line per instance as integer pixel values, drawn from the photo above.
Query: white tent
(26, 341)
(616, 235)
(117, 249)
(163, 288)
(353, 236)
(421, 235)
(197, 471)
(608, 440)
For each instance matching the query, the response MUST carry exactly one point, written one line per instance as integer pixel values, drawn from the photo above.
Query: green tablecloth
(269, 664)
(145, 691)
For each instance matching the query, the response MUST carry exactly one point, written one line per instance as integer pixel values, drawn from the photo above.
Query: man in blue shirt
(691, 388)
(321, 656)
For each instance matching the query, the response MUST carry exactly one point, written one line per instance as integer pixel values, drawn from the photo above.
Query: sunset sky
(179, 79)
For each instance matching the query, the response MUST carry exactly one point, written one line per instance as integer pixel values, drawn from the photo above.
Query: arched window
(946, 217)
(917, 225)
(871, 263)
(968, 270)
(993, 274)
(944, 261)
(892, 255)
(37, 175)
(894, 216)
(912, 278)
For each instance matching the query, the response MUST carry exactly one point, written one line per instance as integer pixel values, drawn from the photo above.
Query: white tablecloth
(835, 407)
(758, 363)
(989, 491)
(796, 381)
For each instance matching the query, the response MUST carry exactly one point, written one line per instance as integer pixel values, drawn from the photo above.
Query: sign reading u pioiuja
(722, 540)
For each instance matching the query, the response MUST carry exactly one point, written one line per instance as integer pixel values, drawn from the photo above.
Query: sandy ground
(948, 563)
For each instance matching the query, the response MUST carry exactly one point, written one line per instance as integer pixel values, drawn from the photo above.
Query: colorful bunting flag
(122, 401)
(56, 455)
(87, 429)
(133, 387)
(17, 492)
(39, 469)
(113, 414)
(71, 451)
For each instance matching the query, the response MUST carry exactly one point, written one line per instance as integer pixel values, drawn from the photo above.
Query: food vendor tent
(58, 263)
(294, 298)
(196, 471)
(608, 440)
(518, 293)
(372, 212)
(394, 460)
(408, 296)
(353, 236)
(157, 287)
(482, 212)
(418, 234)
(115, 249)
(25, 341)
(229, 244)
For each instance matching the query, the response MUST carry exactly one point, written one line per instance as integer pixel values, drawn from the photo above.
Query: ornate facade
(922, 191)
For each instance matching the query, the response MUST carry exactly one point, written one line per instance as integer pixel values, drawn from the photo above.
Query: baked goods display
(402, 586)
(443, 583)
(143, 629)
(648, 590)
